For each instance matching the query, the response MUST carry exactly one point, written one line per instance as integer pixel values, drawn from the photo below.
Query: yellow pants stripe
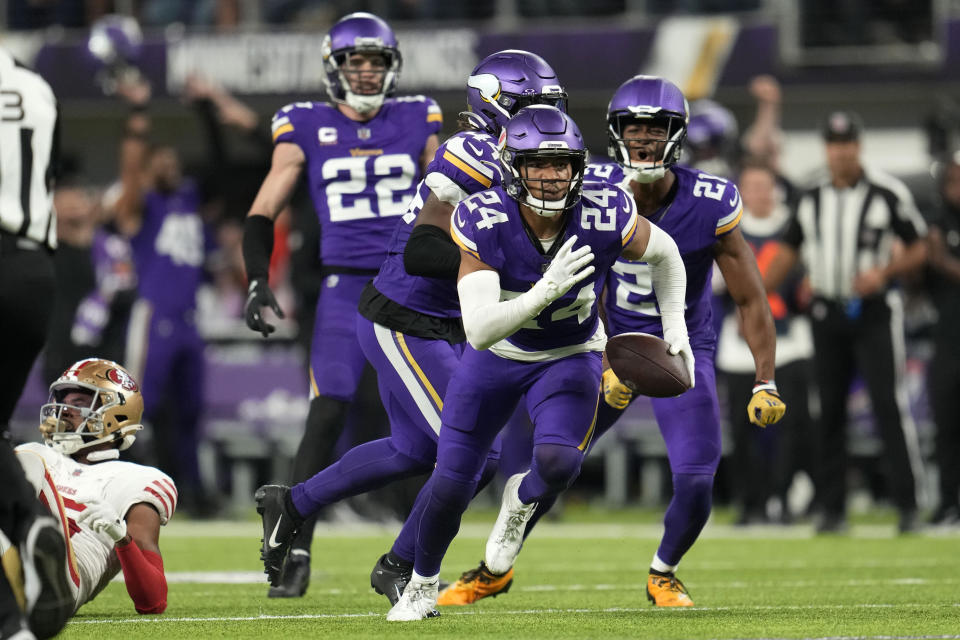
(401, 341)
(593, 425)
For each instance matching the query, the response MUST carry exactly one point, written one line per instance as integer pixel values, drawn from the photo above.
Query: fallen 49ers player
(111, 511)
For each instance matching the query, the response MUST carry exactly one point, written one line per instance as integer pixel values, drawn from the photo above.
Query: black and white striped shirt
(28, 123)
(843, 232)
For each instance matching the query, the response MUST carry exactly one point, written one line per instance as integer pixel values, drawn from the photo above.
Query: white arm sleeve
(445, 189)
(487, 320)
(669, 278)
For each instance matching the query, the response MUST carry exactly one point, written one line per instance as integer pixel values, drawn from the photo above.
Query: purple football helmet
(537, 133)
(712, 138)
(651, 101)
(115, 39)
(360, 33)
(507, 81)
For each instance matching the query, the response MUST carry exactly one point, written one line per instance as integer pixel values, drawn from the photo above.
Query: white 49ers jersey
(92, 560)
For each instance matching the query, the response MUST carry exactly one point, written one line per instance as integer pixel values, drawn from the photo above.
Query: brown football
(644, 364)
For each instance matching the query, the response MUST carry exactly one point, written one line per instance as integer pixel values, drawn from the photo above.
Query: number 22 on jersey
(365, 187)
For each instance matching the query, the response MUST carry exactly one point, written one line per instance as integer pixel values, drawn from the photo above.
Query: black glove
(259, 296)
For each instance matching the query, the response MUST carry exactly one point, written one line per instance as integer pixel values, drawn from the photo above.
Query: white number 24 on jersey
(488, 215)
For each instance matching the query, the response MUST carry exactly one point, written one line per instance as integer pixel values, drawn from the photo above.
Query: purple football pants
(561, 399)
(412, 374)
(336, 358)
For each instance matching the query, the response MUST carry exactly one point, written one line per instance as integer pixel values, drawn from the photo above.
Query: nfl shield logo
(363, 133)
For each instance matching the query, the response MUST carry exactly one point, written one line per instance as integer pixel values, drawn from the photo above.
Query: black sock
(662, 574)
(394, 561)
(291, 509)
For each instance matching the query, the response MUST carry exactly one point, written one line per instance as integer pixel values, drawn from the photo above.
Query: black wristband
(138, 107)
(430, 252)
(257, 246)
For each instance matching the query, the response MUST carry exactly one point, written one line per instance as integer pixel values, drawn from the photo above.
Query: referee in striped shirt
(856, 230)
(28, 147)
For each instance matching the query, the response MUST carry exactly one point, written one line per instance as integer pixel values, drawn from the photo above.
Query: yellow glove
(765, 406)
(615, 393)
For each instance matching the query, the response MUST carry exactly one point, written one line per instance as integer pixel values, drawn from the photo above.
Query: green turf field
(580, 579)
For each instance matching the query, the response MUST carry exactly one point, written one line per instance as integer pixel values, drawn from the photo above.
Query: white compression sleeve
(669, 278)
(445, 189)
(487, 320)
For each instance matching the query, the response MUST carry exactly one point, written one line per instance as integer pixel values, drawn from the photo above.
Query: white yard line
(533, 612)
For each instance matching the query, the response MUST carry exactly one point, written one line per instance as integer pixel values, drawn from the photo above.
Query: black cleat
(390, 581)
(279, 528)
(49, 597)
(295, 578)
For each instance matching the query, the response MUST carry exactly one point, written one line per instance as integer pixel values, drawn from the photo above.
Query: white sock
(416, 577)
(659, 565)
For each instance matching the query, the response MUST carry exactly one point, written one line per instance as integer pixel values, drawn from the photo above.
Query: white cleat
(503, 545)
(418, 602)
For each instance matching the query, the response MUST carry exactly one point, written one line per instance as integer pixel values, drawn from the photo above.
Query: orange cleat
(667, 591)
(475, 584)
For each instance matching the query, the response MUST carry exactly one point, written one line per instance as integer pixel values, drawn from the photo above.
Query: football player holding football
(363, 154)
(409, 321)
(535, 253)
(646, 125)
(110, 511)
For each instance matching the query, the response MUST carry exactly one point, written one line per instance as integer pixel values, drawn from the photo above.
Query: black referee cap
(842, 126)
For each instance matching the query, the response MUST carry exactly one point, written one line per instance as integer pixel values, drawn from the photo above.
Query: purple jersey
(704, 208)
(360, 174)
(488, 225)
(468, 160)
(169, 250)
(112, 262)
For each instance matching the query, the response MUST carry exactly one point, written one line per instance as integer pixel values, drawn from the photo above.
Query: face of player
(547, 178)
(364, 71)
(951, 185)
(71, 415)
(165, 169)
(843, 160)
(646, 141)
(758, 190)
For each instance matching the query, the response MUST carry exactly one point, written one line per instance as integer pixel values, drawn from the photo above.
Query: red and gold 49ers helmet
(105, 405)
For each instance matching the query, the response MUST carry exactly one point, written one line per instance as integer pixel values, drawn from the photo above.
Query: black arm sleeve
(430, 252)
(257, 246)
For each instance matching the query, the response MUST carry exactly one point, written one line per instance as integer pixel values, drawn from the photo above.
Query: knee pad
(458, 456)
(556, 465)
(693, 487)
(451, 495)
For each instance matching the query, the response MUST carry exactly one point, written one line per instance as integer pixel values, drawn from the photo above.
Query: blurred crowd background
(761, 76)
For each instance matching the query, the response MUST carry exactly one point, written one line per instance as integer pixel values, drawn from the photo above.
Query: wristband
(764, 385)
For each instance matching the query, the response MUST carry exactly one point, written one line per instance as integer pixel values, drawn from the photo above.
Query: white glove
(676, 337)
(104, 521)
(567, 269)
